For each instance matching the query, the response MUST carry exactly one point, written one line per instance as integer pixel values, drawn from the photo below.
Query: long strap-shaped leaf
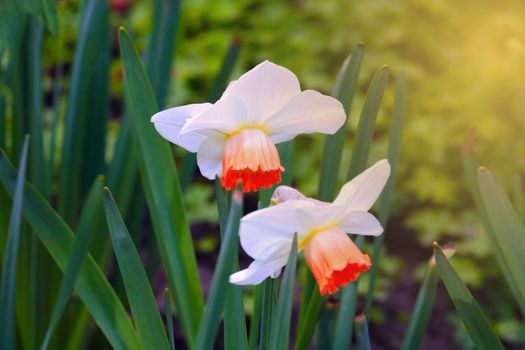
(473, 317)
(169, 317)
(88, 49)
(159, 54)
(361, 332)
(235, 336)
(280, 333)
(45, 9)
(508, 234)
(219, 284)
(422, 310)
(9, 264)
(344, 91)
(84, 237)
(394, 149)
(92, 286)
(141, 299)
(163, 193)
(365, 133)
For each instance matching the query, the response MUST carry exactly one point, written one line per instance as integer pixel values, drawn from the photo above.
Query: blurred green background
(465, 63)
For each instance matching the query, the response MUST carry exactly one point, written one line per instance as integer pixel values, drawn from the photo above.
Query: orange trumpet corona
(334, 259)
(251, 158)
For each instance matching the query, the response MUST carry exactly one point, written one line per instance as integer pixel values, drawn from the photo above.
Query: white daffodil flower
(235, 138)
(267, 234)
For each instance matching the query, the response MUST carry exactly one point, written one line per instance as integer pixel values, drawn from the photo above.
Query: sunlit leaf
(394, 149)
(422, 310)
(473, 317)
(507, 234)
(364, 136)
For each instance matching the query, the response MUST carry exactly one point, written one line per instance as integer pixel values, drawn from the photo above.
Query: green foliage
(92, 49)
(85, 233)
(191, 50)
(360, 154)
(422, 309)
(280, 329)
(507, 232)
(45, 9)
(9, 265)
(92, 286)
(361, 330)
(471, 314)
(163, 193)
(142, 301)
(215, 303)
(394, 150)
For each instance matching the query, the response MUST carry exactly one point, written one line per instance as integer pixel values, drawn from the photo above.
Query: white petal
(225, 116)
(269, 227)
(286, 193)
(306, 113)
(362, 191)
(316, 215)
(209, 157)
(259, 270)
(360, 222)
(169, 122)
(265, 89)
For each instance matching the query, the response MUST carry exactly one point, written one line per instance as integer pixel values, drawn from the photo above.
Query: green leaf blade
(422, 310)
(508, 230)
(92, 43)
(361, 330)
(84, 237)
(9, 264)
(158, 59)
(344, 91)
(280, 332)
(360, 153)
(225, 262)
(163, 193)
(45, 9)
(91, 285)
(367, 121)
(140, 295)
(394, 151)
(473, 317)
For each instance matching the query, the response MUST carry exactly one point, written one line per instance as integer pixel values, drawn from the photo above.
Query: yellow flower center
(306, 239)
(243, 127)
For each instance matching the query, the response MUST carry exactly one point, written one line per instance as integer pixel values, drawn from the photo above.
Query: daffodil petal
(262, 230)
(286, 193)
(265, 89)
(308, 112)
(317, 215)
(225, 116)
(361, 192)
(259, 270)
(360, 222)
(209, 157)
(169, 123)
